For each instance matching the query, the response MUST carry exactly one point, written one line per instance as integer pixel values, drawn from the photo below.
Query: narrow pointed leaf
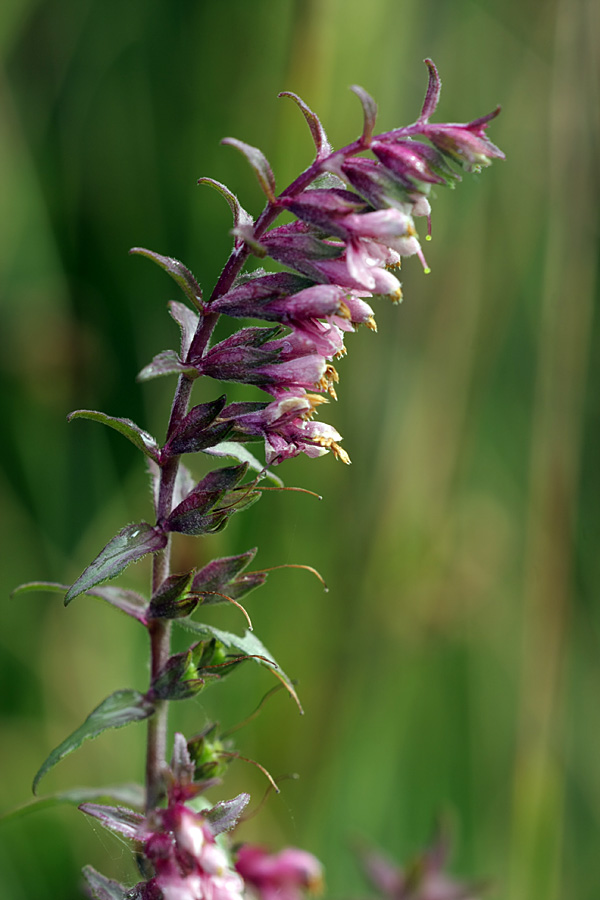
(226, 814)
(432, 96)
(314, 123)
(166, 363)
(370, 111)
(103, 888)
(142, 440)
(259, 163)
(131, 794)
(178, 272)
(240, 216)
(188, 323)
(239, 452)
(129, 545)
(246, 645)
(117, 819)
(127, 601)
(119, 709)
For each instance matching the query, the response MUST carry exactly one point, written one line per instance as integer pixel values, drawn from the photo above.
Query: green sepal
(119, 709)
(246, 645)
(140, 438)
(172, 598)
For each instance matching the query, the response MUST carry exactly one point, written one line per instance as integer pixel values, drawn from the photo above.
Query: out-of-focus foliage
(460, 548)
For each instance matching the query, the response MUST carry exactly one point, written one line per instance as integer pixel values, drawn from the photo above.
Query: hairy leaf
(166, 363)
(129, 545)
(314, 123)
(119, 709)
(178, 272)
(432, 96)
(131, 794)
(103, 888)
(117, 819)
(225, 814)
(259, 163)
(240, 216)
(142, 440)
(370, 111)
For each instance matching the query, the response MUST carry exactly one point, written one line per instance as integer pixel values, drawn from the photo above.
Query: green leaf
(142, 440)
(247, 645)
(178, 272)
(119, 709)
(129, 545)
(128, 794)
(239, 452)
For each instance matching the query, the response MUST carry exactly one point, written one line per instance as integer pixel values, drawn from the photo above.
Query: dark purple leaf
(259, 163)
(129, 545)
(219, 572)
(166, 363)
(432, 96)
(193, 522)
(142, 440)
(119, 709)
(370, 111)
(226, 814)
(178, 272)
(314, 123)
(117, 819)
(193, 432)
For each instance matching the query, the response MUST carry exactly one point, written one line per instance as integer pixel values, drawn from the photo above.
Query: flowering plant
(352, 221)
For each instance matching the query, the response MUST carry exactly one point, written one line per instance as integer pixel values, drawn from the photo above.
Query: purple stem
(160, 629)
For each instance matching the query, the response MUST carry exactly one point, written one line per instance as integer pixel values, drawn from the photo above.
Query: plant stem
(160, 629)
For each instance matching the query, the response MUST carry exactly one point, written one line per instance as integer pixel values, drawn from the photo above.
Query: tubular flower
(354, 221)
(282, 876)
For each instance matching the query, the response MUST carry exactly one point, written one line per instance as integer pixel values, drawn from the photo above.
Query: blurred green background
(454, 663)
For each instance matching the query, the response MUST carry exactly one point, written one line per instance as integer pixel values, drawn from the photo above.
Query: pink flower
(280, 876)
